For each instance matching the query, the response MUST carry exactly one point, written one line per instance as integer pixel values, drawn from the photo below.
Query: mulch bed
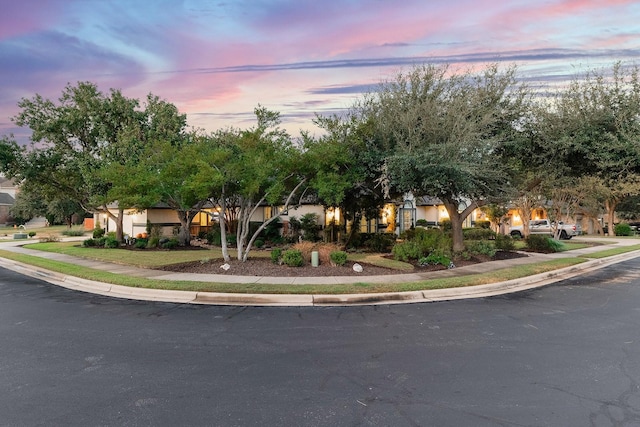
(264, 267)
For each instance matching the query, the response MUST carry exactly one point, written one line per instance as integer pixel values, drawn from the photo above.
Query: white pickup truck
(544, 226)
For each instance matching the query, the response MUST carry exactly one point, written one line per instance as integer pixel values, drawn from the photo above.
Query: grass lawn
(363, 287)
(151, 259)
(6, 233)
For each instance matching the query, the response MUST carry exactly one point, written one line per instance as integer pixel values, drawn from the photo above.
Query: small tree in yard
(265, 167)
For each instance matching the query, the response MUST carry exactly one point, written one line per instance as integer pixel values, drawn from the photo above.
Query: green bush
(89, 243)
(436, 257)
(213, 236)
(98, 232)
(293, 258)
(111, 242)
(422, 223)
(477, 233)
(542, 243)
(32, 233)
(141, 244)
(422, 242)
(407, 250)
(445, 225)
(100, 241)
(481, 247)
(153, 242)
(276, 253)
(170, 244)
(622, 229)
(504, 242)
(378, 242)
(338, 257)
(483, 224)
(309, 226)
(258, 243)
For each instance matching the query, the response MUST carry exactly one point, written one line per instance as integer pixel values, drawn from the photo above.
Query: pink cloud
(17, 19)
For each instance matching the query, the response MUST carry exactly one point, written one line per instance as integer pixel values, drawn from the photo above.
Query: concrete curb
(293, 300)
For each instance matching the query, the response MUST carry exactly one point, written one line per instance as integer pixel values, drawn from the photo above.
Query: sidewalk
(307, 300)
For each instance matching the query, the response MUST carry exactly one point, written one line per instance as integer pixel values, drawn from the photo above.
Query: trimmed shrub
(478, 234)
(111, 242)
(378, 242)
(98, 232)
(542, 243)
(100, 241)
(153, 242)
(622, 229)
(258, 243)
(481, 247)
(140, 244)
(292, 258)
(338, 257)
(276, 253)
(407, 250)
(170, 244)
(89, 243)
(32, 233)
(504, 242)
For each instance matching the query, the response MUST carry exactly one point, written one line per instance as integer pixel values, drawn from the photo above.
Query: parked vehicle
(544, 226)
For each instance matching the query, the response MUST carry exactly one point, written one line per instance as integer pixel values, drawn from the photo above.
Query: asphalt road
(564, 355)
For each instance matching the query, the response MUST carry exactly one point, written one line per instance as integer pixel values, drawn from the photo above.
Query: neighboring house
(6, 202)
(8, 192)
(394, 217)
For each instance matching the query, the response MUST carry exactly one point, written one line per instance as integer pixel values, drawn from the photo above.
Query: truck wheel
(563, 235)
(516, 234)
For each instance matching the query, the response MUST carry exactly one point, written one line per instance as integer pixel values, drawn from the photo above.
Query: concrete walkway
(318, 299)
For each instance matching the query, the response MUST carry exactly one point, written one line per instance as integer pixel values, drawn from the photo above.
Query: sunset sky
(217, 60)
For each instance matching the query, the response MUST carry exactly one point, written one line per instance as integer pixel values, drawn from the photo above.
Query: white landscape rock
(357, 268)
(225, 267)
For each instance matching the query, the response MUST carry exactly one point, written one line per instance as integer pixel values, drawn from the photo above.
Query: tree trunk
(456, 224)
(118, 219)
(610, 206)
(223, 228)
(184, 234)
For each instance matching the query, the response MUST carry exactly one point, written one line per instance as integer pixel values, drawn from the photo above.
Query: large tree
(442, 131)
(343, 166)
(71, 140)
(593, 129)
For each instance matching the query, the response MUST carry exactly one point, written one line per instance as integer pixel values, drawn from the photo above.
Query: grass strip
(611, 252)
(363, 287)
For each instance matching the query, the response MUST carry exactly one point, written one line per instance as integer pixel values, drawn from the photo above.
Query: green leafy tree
(442, 131)
(264, 167)
(592, 129)
(72, 140)
(346, 161)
